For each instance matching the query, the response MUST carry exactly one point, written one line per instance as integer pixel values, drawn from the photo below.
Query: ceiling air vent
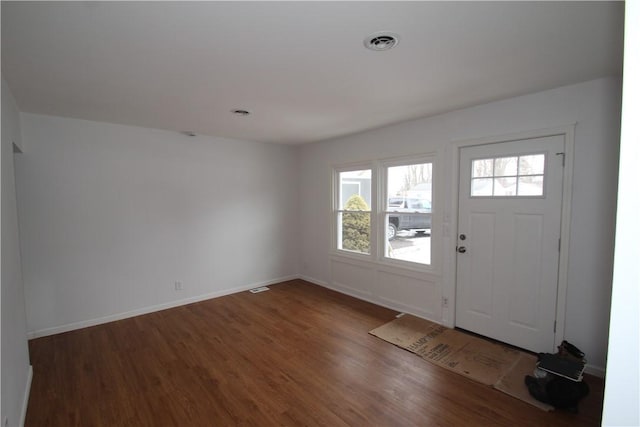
(381, 41)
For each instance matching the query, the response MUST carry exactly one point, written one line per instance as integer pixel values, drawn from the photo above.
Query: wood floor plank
(298, 354)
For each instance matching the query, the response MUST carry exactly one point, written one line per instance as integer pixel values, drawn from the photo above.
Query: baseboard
(371, 300)
(596, 371)
(314, 281)
(150, 309)
(25, 398)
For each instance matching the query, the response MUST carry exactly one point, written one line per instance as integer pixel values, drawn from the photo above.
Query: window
(508, 176)
(354, 211)
(383, 210)
(407, 214)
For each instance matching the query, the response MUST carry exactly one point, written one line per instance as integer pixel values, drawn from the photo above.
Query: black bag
(561, 393)
(558, 392)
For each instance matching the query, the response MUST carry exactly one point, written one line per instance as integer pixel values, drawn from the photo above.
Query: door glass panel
(504, 187)
(482, 167)
(506, 166)
(530, 186)
(508, 176)
(482, 187)
(531, 165)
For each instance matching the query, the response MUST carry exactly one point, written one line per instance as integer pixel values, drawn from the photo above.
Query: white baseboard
(375, 301)
(314, 281)
(596, 371)
(150, 309)
(25, 398)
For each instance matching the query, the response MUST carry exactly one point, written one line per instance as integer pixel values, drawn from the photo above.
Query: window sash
(379, 211)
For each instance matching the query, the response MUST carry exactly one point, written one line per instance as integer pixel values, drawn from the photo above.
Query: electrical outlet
(178, 285)
(445, 302)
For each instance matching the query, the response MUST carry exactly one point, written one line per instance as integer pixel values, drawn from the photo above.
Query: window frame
(382, 213)
(379, 185)
(517, 176)
(336, 210)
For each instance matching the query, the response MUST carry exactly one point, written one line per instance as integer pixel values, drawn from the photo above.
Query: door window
(513, 176)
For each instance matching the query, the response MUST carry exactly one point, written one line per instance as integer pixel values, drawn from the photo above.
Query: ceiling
(300, 67)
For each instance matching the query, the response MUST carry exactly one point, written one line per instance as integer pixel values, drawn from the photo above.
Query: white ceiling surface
(299, 67)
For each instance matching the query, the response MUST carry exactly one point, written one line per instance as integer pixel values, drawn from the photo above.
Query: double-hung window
(384, 210)
(353, 216)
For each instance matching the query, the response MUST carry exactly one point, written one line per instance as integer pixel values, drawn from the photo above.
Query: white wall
(15, 370)
(622, 388)
(594, 106)
(111, 216)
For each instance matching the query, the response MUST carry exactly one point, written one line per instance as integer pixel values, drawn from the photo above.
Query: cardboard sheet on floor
(408, 332)
(473, 357)
(479, 359)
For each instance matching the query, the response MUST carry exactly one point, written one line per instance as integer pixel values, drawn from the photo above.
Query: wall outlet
(445, 302)
(178, 285)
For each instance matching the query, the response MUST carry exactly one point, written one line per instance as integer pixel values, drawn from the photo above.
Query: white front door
(509, 212)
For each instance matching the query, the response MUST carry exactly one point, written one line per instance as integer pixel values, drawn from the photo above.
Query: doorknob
(461, 249)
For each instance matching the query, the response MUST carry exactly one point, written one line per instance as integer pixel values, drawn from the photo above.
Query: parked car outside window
(409, 214)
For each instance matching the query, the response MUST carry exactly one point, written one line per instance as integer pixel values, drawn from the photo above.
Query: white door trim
(449, 291)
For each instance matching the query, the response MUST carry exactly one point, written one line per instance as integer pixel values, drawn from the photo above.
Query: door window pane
(482, 187)
(508, 176)
(531, 165)
(530, 186)
(506, 166)
(482, 167)
(504, 187)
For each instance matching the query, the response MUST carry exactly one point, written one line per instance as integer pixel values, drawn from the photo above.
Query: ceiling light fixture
(240, 112)
(382, 40)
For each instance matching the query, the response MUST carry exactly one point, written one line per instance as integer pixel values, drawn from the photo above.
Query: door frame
(451, 223)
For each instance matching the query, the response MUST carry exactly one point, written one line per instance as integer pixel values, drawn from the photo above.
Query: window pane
(504, 187)
(408, 225)
(482, 167)
(409, 237)
(355, 183)
(482, 187)
(530, 186)
(354, 230)
(531, 165)
(409, 182)
(506, 166)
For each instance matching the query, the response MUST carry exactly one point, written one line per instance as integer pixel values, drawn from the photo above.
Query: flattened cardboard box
(465, 354)
(483, 361)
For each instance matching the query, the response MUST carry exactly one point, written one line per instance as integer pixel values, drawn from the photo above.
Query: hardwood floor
(298, 354)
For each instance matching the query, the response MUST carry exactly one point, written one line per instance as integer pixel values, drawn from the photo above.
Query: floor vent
(260, 289)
